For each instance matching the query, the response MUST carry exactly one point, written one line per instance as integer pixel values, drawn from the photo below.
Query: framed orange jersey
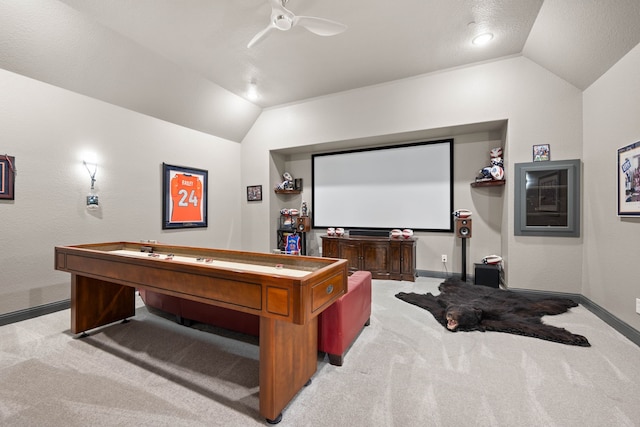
(184, 197)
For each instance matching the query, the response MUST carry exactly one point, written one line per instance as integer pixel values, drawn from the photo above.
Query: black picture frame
(254, 193)
(7, 177)
(184, 197)
(629, 180)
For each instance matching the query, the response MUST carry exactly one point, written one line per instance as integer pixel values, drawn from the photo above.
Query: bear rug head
(464, 307)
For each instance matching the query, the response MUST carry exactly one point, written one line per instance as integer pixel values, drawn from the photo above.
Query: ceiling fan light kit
(283, 19)
(283, 23)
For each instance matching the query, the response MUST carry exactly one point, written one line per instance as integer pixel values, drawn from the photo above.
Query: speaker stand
(463, 276)
(303, 243)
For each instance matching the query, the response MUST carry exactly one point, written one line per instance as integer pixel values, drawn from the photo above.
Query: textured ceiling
(187, 61)
(579, 40)
(385, 40)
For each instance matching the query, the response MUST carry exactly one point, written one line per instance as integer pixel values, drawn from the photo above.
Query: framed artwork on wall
(184, 197)
(7, 176)
(541, 153)
(254, 193)
(547, 198)
(548, 192)
(629, 180)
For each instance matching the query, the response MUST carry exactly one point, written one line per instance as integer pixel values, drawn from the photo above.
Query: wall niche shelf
(496, 183)
(287, 191)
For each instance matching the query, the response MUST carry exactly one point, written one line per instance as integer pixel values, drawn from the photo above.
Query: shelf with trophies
(493, 174)
(292, 230)
(289, 185)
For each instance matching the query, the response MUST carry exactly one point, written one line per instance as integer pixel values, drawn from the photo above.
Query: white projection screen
(403, 186)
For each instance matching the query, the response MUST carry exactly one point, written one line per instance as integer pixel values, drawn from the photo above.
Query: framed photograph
(254, 193)
(7, 176)
(629, 180)
(541, 153)
(548, 192)
(184, 197)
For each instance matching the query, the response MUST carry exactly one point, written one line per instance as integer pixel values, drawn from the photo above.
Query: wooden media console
(385, 257)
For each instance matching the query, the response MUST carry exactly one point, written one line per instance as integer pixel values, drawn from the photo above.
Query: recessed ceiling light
(252, 91)
(482, 39)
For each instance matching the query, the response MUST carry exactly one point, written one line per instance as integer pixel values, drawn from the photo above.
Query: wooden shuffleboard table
(287, 292)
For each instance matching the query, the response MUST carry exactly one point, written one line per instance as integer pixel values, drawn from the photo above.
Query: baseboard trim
(442, 275)
(624, 328)
(30, 313)
(611, 320)
(436, 274)
(619, 325)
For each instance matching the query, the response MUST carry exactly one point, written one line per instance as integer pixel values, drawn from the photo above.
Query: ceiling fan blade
(319, 26)
(261, 35)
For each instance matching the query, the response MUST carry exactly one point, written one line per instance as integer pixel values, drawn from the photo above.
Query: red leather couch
(338, 326)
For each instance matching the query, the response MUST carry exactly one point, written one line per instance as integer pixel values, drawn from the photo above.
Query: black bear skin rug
(464, 307)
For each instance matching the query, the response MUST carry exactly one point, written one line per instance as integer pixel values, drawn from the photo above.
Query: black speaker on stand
(463, 231)
(303, 225)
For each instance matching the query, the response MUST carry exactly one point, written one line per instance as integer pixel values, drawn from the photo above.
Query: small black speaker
(487, 275)
(463, 228)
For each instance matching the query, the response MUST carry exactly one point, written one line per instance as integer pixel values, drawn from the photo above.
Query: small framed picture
(629, 180)
(184, 197)
(254, 193)
(7, 175)
(541, 153)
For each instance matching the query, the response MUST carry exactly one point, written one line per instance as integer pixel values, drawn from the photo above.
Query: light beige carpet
(404, 370)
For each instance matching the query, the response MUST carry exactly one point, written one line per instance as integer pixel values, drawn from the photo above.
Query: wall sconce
(92, 198)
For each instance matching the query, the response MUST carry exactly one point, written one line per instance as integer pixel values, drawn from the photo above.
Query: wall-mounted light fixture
(92, 198)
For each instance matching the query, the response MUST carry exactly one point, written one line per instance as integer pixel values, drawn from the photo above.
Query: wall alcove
(472, 141)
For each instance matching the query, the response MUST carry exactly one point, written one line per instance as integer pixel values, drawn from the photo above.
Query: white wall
(540, 108)
(50, 131)
(52, 42)
(612, 244)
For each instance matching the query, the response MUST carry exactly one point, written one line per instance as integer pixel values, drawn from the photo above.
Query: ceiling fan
(283, 19)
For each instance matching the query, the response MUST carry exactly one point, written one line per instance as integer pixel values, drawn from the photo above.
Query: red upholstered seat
(341, 323)
(338, 326)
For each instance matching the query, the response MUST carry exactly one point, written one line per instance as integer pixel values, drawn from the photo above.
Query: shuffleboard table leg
(96, 302)
(276, 420)
(288, 359)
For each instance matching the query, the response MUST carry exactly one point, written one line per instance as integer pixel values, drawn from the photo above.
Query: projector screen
(403, 186)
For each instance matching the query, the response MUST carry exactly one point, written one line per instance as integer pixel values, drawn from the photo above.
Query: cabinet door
(330, 248)
(351, 252)
(408, 260)
(375, 258)
(395, 260)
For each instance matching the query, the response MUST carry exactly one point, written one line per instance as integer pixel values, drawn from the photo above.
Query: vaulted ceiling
(187, 61)
(385, 40)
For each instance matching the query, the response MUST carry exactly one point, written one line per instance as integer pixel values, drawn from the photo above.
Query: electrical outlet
(638, 305)
(444, 258)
